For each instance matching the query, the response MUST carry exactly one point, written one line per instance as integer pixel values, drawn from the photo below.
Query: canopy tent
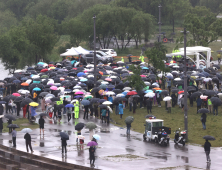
(75, 51)
(198, 49)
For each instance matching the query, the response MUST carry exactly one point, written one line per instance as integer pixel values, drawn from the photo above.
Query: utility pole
(159, 38)
(185, 84)
(95, 77)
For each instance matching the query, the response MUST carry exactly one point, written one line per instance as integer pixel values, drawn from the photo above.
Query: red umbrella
(74, 68)
(16, 94)
(167, 64)
(131, 93)
(44, 70)
(180, 92)
(51, 65)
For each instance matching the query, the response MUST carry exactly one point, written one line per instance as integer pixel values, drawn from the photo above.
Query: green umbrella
(88, 97)
(103, 86)
(90, 125)
(44, 76)
(129, 119)
(146, 88)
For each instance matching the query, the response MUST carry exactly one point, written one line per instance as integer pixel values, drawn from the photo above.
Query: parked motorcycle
(162, 138)
(180, 139)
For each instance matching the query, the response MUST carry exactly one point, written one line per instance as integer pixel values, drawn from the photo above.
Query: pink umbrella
(142, 75)
(108, 79)
(203, 97)
(53, 88)
(79, 92)
(47, 100)
(62, 78)
(16, 94)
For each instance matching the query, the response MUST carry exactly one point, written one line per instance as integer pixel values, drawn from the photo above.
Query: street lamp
(185, 83)
(95, 79)
(159, 23)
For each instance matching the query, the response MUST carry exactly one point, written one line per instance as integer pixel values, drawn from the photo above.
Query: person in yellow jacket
(141, 58)
(76, 105)
(122, 59)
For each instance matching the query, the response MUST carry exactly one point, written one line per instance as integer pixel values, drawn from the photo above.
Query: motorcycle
(180, 139)
(163, 138)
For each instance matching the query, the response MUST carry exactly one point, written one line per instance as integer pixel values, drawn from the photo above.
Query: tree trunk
(127, 42)
(173, 25)
(100, 42)
(136, 40)
(117, 43)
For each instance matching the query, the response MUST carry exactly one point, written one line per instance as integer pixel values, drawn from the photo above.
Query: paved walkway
(115, 150)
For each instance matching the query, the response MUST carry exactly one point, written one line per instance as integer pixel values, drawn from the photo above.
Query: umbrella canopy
(91, 125)
(79, 126)
(34, 104)
(97, 137)
(215, 101)
(69, 105)
(148, 116)
(16, 94)
(12, 126)
(195, 94)
(131, 93)
(18, 99)
(10, 117)
(85, 102)
(80, 137)
(26, 130)
(92, 143)
(43, 94)
(167, 98)
(64, 135)
(203, 110)
(107, 103)
(210, 93)
(129, 119)
(207, 137)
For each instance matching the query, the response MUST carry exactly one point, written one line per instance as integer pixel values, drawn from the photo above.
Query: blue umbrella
(16, 81)
(69, 90)
(148, 91)
(85, 102)
(158, 91)
(40, 63)
(101, 100)
(69, 105)
(24, 78)
(80, 74)
(83, 79)
(30, 68)
(125, 93)
(205, 73)
(78, 97)
(36, 89)
(145, 68)
(169, 77)
(38, 82)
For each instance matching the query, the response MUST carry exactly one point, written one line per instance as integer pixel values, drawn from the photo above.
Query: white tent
(198, 49)
(75, 51)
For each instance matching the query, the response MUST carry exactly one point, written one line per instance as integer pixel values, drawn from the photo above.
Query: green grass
(175, 120)
(22, 123)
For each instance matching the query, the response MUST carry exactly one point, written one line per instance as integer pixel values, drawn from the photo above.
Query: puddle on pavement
(129, 150)
(158, 155)
(123, 157)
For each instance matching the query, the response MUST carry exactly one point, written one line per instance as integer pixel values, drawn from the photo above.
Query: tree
(41, 34)
(177, 9)
(7, 19)
(199, 22)
(135, 80)
(213, 5)
(156, 55)
(77, 29)
(194, 2)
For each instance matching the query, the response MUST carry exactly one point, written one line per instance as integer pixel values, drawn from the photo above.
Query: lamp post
(159, 23)
(95, 79)
(185, 84)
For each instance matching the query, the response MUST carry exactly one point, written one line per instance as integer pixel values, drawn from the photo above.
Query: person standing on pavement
(28, 140)
(128, 126)
(207, 146)
(64, 144)
(92, 155)
(14, 137)
(86, 112)
(203, 120)
(65, 102)
(41, 125)
(69, 112)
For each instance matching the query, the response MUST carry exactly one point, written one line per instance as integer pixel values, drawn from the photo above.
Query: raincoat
(141, 58)
(122, 59)
(76, 109)
(121, 109)
(33, 113)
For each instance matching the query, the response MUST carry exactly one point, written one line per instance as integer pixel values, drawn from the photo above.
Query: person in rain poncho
(76, 105)
(33, 112)
(215, 88)
(121, 110)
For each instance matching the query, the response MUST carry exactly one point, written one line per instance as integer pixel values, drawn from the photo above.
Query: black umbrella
(2, 102)
(102, 106)
(10, 117)
(43, 94)
(79, 126)
(148, 116)
(175, 90)
(95, 89)
(43, 114)
(64, 135)
(203, 110)
(94, 100)
(26, 101)
(215, 101)
(18, 99)
(117, 91)
(210, 93)
(136, 96)
(55, 99)
(207, 137)
(195, 94)
(59, 106)
(12, 97)
(12, 126)
(191, 89)
(119, 99)
(164, 93)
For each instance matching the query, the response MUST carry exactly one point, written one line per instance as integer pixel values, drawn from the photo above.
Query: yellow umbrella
(193, 77)
(52, 68)
(34, 104)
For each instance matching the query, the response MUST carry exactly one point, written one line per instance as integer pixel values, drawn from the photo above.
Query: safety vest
(122, 59)
(209, 102)
(76, 107)
(35, 95)
(59, 102)
(142, 58)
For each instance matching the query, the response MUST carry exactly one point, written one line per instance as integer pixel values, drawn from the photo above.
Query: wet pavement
(116, 150)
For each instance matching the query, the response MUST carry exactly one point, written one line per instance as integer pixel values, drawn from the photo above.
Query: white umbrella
(120, 95)
(127, 88)
(167, 98)
(18, 71)
(147, 83)
(24, 92)
(160, 75)
(107, 103)
(207, 79)
(80, 137)
(110, 109)
(177, 79)
(150, 94)
(29, 81)
(104, 82)
(26, 130)
(110, 93)
(176, 67)
(73, 101)
(90, 75)
(35, 77)
(77, 87)
(169, 74)
(61, 88)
